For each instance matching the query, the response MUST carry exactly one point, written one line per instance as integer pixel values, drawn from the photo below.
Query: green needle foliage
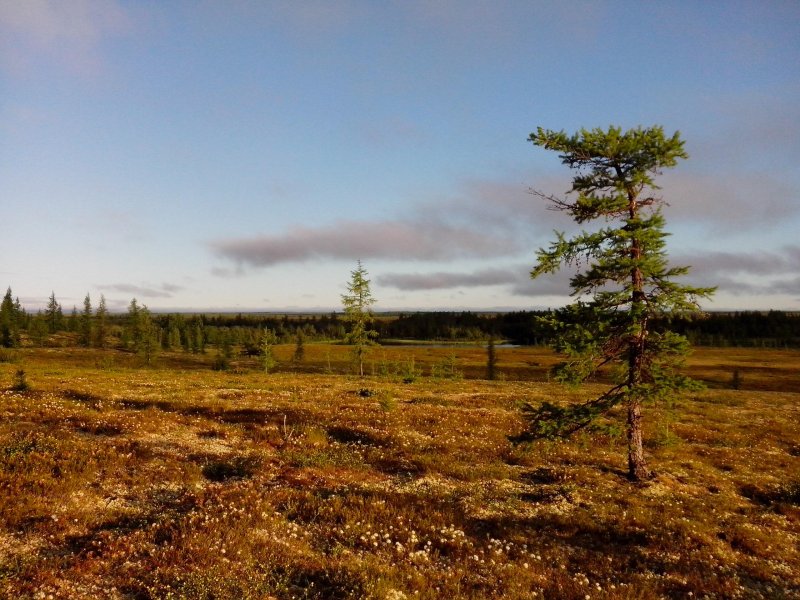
(10, 321)
(357, 303)
(85, 324)
(101, 323)
(268, 342)
(299, 346)
(624, 283)
(491, 359)
(54, 314)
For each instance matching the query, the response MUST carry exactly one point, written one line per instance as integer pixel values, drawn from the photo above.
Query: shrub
(409, 372)
(447, 368)
(20, 381)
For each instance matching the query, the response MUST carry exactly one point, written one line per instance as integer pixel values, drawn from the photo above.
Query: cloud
(744, 200)
(789, 287)
(710, 263)
(169, 287)
(362, 239)
(740, 274)
(225, 273)
(69, 34)
(555, 284)
(166, 290)
(741, 174)
(516, 279)
(485, 219)
(757, 125)
(507, 208)
(742, 168)
(763, 273)
(774, 287)
(446, 280)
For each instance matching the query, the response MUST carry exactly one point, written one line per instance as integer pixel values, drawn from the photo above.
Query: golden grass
(182, 482)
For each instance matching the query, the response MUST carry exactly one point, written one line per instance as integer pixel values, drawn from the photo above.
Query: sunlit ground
(118, 481)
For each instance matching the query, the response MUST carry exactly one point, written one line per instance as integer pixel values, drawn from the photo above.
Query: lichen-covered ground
(122, 482)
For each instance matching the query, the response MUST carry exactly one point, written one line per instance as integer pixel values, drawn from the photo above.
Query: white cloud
(67, 33)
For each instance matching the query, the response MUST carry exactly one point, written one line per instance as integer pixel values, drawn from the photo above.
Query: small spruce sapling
(268, 341)
(20, 381)
(299, 346)
(357, 303)
(491, 359)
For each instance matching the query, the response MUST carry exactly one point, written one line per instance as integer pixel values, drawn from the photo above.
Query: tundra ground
(118, 481)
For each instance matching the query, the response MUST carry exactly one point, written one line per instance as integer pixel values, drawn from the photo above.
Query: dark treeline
(521, 327)
(772, 329)
(516, 327)
(97, 327)
(776, 329)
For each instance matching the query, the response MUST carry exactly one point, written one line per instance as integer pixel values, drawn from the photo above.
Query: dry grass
(181, 482)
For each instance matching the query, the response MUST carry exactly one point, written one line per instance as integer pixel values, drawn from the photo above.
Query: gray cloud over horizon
(495, 219)
(744, 200)
(516, 278)
(447, 280)
(362, 239)
(740, 273)
(786, 261)
(736, 287)
(726, 270)
(486, 219)
(165, 290)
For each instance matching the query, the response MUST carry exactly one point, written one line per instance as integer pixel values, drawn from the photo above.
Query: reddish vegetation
(183, 482)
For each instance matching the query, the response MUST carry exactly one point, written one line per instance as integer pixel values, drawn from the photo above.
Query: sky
(243, 155)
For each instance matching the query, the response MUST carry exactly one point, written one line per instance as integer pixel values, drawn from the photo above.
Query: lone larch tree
(357, 304)
(624, 286)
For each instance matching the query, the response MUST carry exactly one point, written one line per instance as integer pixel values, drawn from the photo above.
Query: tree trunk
(637, 465)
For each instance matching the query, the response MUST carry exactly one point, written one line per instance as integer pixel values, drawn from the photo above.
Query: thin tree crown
(614, 168)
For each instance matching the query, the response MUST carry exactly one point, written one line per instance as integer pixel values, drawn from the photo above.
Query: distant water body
(420, 344)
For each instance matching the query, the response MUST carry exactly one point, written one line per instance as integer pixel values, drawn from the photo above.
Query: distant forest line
(776, 329)
(772, 329)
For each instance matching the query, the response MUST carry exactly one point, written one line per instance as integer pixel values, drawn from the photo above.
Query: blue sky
(243, 155)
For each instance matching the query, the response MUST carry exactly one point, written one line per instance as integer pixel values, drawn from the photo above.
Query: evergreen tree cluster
(12, 317)
(771, 329)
